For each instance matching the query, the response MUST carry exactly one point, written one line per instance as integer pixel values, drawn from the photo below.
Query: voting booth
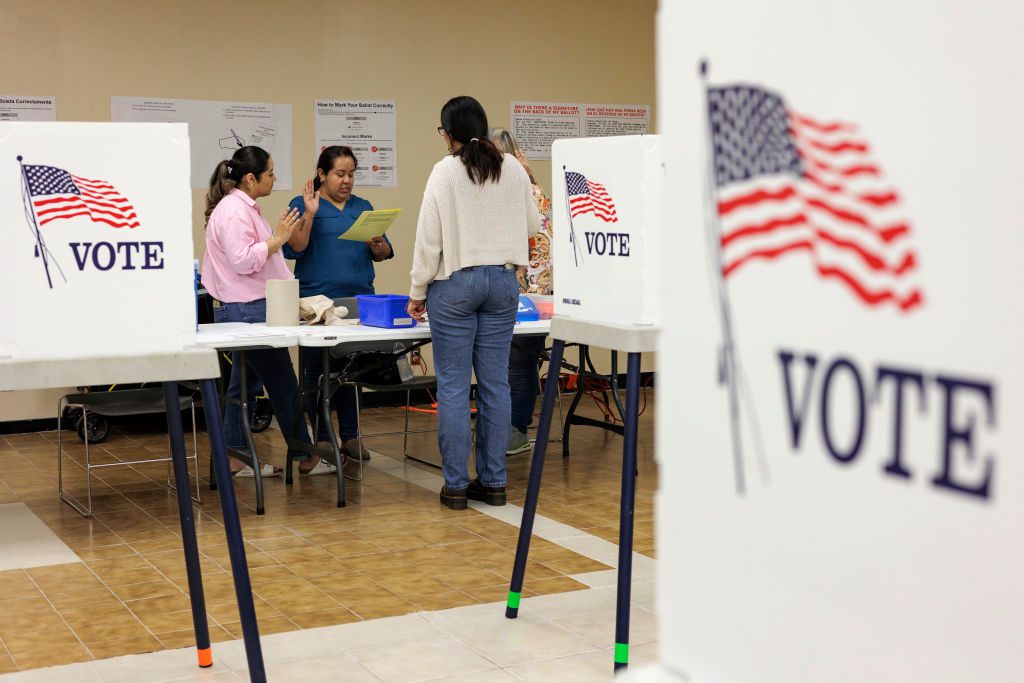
(97, 240)
(98, 288)
(605, 211)
(841, 492)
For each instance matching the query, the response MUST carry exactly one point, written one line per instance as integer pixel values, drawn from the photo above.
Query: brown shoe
(492, 495)
(454, 499)
(356, 450)
(351, 468)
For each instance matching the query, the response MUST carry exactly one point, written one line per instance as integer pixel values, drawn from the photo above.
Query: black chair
(113, 404)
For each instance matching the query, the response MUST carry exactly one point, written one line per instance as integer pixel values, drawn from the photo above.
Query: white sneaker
(247, 472)
(322, 467)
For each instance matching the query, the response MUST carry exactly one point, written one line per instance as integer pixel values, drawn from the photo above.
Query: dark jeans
(343, 401)
(524, 378)
(272, 367)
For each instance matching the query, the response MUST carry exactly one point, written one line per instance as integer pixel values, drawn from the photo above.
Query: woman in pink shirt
(242, 253)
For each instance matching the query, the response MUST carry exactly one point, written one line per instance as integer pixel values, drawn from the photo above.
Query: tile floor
(394, 567)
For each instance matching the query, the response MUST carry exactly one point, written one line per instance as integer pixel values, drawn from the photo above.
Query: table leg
(325, 415)
(575, 401)
(233, 531)
(288, 478)
(515, 590)
(625, 574)
(247, 431)
(188, 525)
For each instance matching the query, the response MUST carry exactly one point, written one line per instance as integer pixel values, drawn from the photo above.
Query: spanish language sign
(537, 124)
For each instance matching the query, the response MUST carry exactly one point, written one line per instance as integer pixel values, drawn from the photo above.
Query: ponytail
(230, 172)
(465, 121)
(482, 159)
(220, 185)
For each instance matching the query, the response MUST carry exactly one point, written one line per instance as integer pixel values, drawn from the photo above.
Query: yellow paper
(370, 224)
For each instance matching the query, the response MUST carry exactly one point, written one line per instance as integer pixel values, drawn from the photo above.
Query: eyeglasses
(440, 130)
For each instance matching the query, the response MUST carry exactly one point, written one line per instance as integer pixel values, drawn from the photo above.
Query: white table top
(189, 364)
(246, 335)
(628, 338)
(243, 336)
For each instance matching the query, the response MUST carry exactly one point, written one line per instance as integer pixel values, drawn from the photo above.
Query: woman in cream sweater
(475, 222)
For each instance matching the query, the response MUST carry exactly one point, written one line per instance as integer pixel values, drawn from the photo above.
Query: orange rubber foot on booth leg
(205, 657)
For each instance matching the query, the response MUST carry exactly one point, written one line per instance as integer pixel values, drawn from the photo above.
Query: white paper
(370, 128)
(537, 124)
(217, 129)
(27, 108)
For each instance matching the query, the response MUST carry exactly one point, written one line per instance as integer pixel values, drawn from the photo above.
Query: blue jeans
(471, 319)
(272, 367)
(524, 379)
(343, 401)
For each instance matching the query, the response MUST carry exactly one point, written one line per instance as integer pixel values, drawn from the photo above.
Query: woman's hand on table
(417, 309)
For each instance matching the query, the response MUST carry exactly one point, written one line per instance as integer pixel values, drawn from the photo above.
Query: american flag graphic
(586, 196)
(57, 194)
(788, 183)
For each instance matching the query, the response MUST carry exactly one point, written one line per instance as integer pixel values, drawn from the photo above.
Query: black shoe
(454, 499)
(492, 495)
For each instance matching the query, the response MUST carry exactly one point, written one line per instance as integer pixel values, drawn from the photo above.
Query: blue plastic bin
(527, 310)
(384, 310)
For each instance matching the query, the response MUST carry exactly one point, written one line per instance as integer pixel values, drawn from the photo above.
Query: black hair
(465, 121)
(229, 173)
(327, 158)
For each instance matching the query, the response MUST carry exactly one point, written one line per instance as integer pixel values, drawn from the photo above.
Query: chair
(113, 404)
(338, 380)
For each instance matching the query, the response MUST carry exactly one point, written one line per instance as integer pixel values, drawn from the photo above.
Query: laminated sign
(606, 215)
(98, 240)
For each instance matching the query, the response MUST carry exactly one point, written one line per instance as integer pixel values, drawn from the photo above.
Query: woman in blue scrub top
(333, 267)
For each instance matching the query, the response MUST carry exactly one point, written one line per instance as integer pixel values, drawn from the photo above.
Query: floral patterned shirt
(537, 278)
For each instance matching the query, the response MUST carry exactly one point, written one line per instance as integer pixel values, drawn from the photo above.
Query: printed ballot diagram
(217, 129)
(370, 128)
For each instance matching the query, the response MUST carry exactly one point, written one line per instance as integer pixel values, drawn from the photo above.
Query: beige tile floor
(393, 551)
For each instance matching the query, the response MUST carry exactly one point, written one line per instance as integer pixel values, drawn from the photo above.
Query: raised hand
(286, 223)
(525, 162)
(310, 199)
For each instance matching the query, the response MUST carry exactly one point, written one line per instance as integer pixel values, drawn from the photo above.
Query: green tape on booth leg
(513, 599)
(621, 653)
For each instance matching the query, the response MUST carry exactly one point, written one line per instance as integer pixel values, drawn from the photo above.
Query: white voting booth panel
(858, 243)
(606, 213)
(98, 240)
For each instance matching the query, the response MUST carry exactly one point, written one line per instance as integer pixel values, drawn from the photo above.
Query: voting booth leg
(188, 524)
(515, 591)
(233, 531)
(626, 511)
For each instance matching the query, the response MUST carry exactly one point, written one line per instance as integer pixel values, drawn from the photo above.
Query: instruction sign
(538, 124)
(370, 128)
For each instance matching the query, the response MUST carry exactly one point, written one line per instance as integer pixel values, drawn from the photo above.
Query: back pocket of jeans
(456, 289)
(510, 285)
